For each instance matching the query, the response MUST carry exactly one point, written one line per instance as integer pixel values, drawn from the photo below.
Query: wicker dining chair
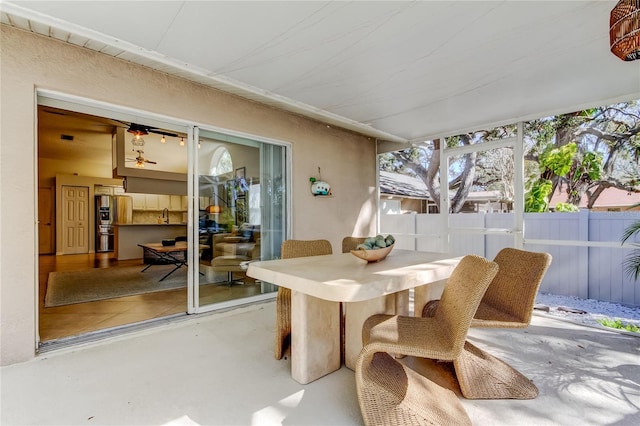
(441, 337)
(291, 249)
(390, 393)
(509, 300)
(350, 243)
(507, 303)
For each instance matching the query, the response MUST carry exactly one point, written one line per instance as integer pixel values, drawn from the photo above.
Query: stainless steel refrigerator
(104, 223)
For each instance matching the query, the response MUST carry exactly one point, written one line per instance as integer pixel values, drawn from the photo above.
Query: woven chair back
(514, 288)
(461, 297)
(350, 243)
(303, 248)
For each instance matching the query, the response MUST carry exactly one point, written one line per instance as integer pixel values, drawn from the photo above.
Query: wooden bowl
(373, 255)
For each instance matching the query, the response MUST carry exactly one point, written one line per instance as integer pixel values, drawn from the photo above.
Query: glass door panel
(241, 202)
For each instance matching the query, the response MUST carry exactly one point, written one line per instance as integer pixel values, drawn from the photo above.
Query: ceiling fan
(140, 160)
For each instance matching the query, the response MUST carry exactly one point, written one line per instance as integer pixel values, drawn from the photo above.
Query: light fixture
(137, 141)
(213, 209)
(181, 141)
(137, 129)
(624, 30)
(163, 139)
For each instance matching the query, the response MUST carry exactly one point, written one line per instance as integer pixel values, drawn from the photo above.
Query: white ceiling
(393, 70)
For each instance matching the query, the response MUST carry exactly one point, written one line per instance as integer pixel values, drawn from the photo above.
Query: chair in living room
(507, 303)
(291, 249)
(236, 262)
(389, 392)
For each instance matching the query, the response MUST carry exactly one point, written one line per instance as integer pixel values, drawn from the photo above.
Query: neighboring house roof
(610, 197)
(411, 187)
(402, 185)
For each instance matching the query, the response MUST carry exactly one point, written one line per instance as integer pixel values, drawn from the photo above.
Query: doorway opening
(115, 249)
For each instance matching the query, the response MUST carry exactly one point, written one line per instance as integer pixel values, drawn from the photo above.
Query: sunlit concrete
(220, 370)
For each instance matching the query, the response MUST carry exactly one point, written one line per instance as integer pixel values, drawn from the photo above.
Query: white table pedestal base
(356, 313)
(315, 337)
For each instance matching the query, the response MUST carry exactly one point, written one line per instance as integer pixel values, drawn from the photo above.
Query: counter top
(150, 224)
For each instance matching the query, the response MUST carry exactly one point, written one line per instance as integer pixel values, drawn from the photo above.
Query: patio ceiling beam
(468, 149)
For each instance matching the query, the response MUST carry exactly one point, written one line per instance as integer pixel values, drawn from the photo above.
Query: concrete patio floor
(219, 370)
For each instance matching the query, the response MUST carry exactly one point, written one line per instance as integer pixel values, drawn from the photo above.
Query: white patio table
(320, 283)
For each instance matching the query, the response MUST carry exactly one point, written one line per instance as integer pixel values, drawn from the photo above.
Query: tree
(607, 155)
(562, 162)
(425, 163)
(580, 154)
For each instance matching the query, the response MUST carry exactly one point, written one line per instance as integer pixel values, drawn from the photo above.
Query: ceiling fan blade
(150, 162)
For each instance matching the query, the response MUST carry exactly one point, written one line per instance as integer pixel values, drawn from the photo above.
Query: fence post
(583, 254)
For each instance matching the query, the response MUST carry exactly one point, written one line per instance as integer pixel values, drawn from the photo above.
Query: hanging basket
(624, 30)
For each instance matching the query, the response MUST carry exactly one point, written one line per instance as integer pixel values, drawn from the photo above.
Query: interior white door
(75, 219)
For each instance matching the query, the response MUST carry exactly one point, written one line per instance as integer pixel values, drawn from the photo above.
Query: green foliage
(619, 325)
(591, 166)
(566, 208)
(558, 160)
(563, 162)
(394, 162)
(227, 218)
(536, 199)
(580, 153)
(631, 263)
(631, 230)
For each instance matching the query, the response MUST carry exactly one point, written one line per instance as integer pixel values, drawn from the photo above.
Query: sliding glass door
(240, 215)
(149, 184)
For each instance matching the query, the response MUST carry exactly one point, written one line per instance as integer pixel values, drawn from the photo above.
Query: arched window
(221, 162)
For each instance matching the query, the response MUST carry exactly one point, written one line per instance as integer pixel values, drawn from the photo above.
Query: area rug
(70, 287)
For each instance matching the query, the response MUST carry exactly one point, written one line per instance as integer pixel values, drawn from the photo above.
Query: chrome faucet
(165, 211)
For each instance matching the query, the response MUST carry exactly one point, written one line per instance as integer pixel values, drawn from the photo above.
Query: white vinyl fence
(593, 271)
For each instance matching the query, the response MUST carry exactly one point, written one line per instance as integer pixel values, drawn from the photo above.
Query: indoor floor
(72, 320)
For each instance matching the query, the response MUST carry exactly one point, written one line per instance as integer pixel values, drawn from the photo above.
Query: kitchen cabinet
(102, 190)
(124, 209)
(138, 201)
(177, 203)
(151, 202)
(108, 190)
(159, 202)
(164, 202)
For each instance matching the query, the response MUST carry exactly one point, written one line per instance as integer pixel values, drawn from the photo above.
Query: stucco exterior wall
(29, 62)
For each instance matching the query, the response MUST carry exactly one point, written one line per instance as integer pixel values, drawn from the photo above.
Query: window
(221, 162)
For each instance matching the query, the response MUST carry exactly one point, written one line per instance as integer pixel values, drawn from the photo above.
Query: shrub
(619, 325)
